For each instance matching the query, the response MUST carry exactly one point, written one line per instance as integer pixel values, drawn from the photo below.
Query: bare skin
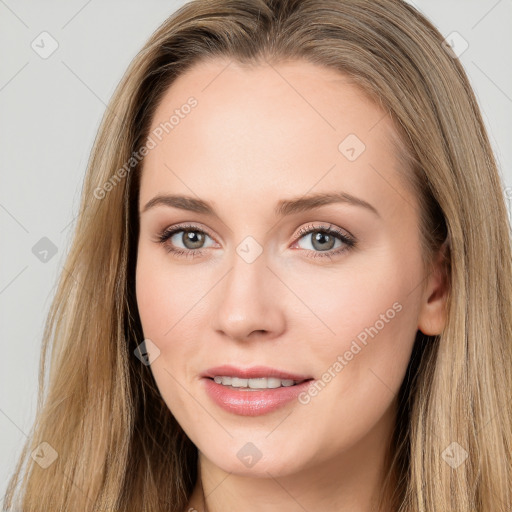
(257, 136)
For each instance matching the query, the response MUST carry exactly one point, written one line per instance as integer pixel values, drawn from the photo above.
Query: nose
(250, 301)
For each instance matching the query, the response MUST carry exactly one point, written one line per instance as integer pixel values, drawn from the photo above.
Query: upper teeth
(260, 383)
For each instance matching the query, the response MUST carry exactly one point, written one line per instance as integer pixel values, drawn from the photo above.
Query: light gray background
(51, 109)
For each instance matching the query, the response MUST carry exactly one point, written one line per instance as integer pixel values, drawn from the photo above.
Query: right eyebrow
(183, 203)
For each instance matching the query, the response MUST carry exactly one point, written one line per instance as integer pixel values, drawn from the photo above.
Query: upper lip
(253, 372)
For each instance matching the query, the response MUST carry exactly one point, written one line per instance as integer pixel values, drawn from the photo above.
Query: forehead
(263, 128)
(327, 96)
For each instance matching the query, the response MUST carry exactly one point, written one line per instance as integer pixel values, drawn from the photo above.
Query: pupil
(194, 237)
(321, 236)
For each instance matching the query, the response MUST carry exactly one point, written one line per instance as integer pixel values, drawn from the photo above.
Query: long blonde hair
(118, 445)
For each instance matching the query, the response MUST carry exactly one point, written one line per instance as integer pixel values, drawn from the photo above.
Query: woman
(208, 351)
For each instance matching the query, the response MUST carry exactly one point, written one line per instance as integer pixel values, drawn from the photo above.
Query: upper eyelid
(328, 227)
(183, 227)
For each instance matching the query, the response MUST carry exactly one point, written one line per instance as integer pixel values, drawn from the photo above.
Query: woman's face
(330, 289)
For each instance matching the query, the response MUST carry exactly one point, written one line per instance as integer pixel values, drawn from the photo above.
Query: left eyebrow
(283, 208)
(301, 204)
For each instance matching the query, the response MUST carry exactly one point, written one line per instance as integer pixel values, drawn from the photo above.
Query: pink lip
(252, 403)
(254, 372)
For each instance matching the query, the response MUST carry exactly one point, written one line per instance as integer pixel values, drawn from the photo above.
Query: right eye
(192, 237)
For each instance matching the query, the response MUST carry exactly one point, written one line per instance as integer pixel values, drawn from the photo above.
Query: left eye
(321, 239)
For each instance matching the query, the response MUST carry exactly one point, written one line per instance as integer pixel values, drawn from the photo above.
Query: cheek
(161, 302)
(164, 293)
(369, 296)
(171, 313)
(362, 349)
(362, 320)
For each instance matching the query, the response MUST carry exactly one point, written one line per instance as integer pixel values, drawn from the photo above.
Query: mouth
(253, 391)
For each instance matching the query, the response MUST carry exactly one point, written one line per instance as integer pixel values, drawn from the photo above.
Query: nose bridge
(247, 279)
(247, 299)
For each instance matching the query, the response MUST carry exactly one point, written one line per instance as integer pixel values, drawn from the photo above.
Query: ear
(432, 317)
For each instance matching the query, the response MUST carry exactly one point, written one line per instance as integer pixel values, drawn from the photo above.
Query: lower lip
(252, 403)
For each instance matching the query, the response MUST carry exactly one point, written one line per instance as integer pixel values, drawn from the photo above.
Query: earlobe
(432, 318)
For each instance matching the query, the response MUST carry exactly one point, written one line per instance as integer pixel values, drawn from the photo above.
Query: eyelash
(349, 241)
